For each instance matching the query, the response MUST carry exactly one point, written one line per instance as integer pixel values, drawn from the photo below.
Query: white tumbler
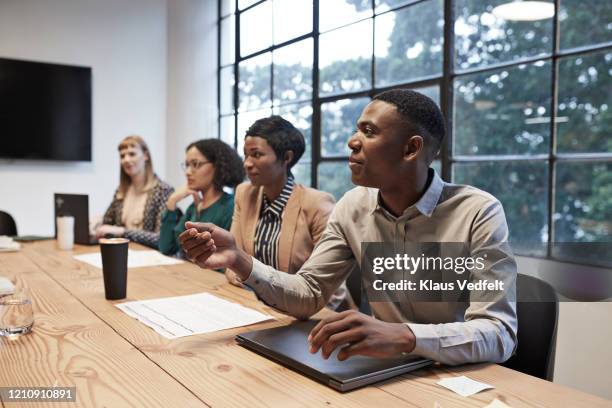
(65, 232)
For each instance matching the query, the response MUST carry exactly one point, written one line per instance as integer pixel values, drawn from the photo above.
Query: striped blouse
(268, 226)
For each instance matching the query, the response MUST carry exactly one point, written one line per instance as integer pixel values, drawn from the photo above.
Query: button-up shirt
(268, 226)
(448, 332)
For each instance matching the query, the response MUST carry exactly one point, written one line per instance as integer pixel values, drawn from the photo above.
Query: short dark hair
(281, 135)
(228, 165)
(422, 115)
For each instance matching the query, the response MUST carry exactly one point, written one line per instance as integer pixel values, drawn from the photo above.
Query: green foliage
(584, 104)
(600, 203)
(504, 111)
(585, 22)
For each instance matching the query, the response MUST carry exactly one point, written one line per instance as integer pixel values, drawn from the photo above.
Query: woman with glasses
(209, 166)
(137, 204)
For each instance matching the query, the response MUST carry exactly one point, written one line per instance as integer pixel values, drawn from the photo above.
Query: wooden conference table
(82, 340)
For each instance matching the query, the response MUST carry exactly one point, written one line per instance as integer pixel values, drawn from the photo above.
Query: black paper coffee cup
(114, 266)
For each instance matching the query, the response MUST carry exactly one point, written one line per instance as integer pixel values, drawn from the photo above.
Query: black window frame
(445, 82)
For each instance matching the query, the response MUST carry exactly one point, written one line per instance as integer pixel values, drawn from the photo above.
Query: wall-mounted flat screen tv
(45, 111)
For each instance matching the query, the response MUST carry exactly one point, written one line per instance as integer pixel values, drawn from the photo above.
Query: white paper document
(136, 259)
(192, 314)
(464, 386)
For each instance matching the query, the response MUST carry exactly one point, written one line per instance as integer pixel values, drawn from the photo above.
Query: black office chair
(537, 328)
(357, 292)
(7, 224)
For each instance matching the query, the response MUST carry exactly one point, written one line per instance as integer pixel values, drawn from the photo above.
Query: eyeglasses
(194, 164)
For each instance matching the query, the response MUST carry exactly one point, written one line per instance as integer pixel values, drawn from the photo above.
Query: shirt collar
(426, 204)
(277, 206)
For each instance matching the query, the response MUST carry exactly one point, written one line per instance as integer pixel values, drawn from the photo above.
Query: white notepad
(136, 259)
(7, 244)
(464, 386)
(192, 314)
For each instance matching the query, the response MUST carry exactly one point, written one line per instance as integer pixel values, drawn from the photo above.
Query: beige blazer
(304, 219)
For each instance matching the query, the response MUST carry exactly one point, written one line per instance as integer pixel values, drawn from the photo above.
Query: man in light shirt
(399, 199)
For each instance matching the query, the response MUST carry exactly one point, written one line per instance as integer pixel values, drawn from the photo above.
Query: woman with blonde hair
(135, 212)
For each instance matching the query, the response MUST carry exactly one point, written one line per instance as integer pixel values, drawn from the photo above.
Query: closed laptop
(289, 346)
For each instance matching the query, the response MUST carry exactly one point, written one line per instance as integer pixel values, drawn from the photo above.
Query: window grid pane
(255, 83)
(256, 29)
(584, 22)
(486, 35)
(503, 112)
(419, 53)
(522, 188)
(293, 72)
(583, 210)
(228, 40)
(227, 130)
(336, 13)
(227, 90)
(345, 68)
(583, 110)
(482, 37)
(292, 18)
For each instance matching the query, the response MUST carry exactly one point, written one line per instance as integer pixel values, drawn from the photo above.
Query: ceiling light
(525, 11)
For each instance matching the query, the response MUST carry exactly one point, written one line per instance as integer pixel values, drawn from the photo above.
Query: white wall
(192, 79)
(584, 330)
(125, 44)
(584, 354)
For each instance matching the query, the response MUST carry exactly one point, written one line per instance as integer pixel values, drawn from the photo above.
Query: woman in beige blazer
(303, 221)
(276, 220)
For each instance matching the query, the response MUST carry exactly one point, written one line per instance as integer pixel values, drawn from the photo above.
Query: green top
(173, 222)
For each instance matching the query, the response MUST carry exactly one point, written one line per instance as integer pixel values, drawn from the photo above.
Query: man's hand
(360, 335)
(213, 247)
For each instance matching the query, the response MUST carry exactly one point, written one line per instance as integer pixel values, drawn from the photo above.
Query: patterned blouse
(155, 204)
(268, 226)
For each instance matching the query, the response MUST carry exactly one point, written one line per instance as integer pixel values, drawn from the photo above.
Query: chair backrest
(356, 290)
(7, 224)
(537, 328)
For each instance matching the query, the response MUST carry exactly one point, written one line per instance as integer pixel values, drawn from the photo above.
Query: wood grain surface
(70, 346)
(212, 365)
(207, 367)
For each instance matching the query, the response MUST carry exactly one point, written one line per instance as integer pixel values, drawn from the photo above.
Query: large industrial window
(524, 86)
